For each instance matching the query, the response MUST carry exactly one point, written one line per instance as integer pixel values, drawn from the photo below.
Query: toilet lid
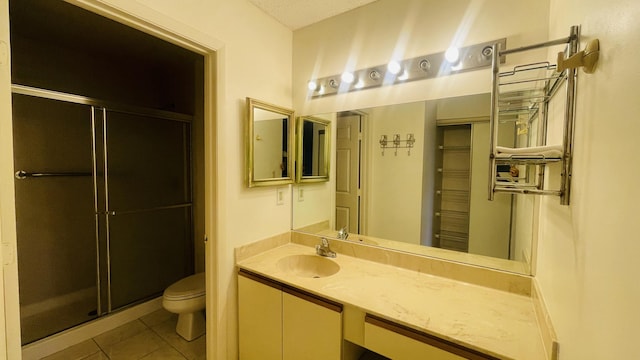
(187, 288)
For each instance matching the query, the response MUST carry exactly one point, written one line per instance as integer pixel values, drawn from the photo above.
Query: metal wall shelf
(521, 95)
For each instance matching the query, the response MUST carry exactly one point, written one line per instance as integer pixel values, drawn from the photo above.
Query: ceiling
(296, 14)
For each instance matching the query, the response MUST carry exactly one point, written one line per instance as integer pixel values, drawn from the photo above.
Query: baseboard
(78, 334)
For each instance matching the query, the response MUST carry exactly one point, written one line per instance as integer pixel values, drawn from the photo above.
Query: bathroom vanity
(295, 304)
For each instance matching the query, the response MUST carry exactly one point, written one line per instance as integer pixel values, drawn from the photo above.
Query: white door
(347, 173)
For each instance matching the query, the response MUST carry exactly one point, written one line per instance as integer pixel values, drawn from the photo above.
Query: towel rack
(521, 96)
(21, 174)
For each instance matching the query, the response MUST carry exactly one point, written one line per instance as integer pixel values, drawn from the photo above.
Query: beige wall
(9, 307)
(394, 183)
(588, 252)
(490, 221)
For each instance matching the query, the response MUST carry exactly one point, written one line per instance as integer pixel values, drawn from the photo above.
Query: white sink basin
(309, 266)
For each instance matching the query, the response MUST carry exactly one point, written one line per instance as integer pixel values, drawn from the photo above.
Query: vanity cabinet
(279, 322)
(259, 320)
(399, 342)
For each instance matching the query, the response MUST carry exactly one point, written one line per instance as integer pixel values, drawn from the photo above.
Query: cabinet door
(312, 329)
(259, 320)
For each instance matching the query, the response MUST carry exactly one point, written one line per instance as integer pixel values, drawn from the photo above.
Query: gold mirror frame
(324, 152)
(254, 177)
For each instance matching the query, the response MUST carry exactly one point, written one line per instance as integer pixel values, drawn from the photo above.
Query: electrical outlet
(279, 196)
(300, 194)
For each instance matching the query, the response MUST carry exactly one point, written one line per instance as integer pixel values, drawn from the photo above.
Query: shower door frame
(103, 273)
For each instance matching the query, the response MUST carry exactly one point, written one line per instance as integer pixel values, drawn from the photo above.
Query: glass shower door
(54, 215)
(148, 204)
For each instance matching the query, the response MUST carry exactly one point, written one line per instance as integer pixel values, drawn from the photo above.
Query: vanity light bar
(448, 62)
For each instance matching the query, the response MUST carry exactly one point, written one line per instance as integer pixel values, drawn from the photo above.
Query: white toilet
(186, 297)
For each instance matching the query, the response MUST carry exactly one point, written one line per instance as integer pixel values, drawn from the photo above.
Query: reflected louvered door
(453, 174)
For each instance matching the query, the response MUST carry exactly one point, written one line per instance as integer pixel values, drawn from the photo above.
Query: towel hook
(587, 58)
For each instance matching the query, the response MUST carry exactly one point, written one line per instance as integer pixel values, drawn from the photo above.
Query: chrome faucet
(324, 250)
(343, 234)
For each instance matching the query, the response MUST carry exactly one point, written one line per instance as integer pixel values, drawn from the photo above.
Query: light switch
(300, 194)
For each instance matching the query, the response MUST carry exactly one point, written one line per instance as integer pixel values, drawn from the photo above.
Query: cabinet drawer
(399, 342)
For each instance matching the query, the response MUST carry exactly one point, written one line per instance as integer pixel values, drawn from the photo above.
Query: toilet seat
(188, 288)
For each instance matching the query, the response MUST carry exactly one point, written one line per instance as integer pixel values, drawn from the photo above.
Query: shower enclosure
(103, 206)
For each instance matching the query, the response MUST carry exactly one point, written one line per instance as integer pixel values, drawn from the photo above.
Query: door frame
(142, 18)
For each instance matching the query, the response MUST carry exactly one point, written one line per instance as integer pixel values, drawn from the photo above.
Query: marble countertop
(495, 322)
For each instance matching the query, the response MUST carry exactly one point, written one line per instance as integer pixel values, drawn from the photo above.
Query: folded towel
(546, 151)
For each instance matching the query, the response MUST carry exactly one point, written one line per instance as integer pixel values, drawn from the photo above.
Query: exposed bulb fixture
(396, 71)
(394, 67)
(452, 55)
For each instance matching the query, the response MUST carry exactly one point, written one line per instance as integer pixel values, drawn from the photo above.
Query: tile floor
(150, 337)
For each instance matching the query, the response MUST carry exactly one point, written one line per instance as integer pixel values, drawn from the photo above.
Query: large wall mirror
(269, 144)
(430, 198)
(314, 139)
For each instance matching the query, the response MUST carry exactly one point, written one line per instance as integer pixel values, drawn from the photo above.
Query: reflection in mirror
(313, 149)
(269, 144)
(430, 199)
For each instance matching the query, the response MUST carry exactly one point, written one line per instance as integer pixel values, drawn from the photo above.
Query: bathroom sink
(309, 266)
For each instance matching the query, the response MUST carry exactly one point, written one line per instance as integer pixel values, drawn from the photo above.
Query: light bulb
(347, 77)
(312, 85)
(394, 67)
(452, 55)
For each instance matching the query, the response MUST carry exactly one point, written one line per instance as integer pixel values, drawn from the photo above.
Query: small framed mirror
(314, 140)
(269, 144)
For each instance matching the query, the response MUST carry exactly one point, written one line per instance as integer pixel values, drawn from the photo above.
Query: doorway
(349, 206)
(116, 71)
